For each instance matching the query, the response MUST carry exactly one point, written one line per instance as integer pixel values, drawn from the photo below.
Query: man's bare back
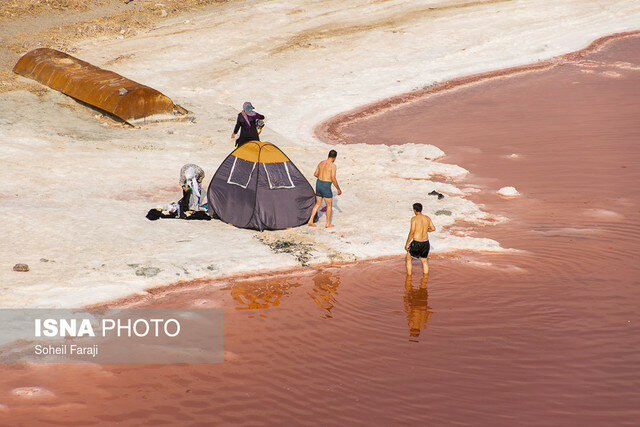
(326, 171)
(418, 245)
(421, 225)
(326, 174)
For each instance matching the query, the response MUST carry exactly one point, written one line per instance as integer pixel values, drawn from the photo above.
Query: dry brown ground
(60, 24)
(17, 8)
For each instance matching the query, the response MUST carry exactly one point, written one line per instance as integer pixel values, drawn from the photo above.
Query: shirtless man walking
(418, 241)
(326, 174)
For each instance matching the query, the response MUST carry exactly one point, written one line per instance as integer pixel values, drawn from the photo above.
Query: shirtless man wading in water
(326, 174)
(418, 241)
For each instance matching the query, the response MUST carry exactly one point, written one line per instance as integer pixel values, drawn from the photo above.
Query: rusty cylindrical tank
(103, 89)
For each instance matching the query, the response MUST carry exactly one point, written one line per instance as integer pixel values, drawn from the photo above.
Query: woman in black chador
(249, 123)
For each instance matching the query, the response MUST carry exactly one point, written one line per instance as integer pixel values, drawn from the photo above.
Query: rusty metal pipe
(103, 89)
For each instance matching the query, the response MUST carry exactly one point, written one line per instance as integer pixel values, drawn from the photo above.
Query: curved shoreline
(155, 292)
(330, 131)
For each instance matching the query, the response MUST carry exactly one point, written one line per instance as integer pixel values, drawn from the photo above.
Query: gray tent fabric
(258, 187)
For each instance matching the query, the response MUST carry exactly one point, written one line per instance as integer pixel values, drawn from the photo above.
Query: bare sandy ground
(60, 24)
(77, 185)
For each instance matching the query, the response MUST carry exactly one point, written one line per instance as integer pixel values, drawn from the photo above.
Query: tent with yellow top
(258, 186)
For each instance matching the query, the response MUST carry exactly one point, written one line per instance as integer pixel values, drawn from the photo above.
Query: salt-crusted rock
(508, 192)
(31, 392)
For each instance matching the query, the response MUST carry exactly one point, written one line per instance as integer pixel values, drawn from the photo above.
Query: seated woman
(247, 123)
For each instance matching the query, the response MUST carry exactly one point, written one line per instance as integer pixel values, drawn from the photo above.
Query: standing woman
(247, 124)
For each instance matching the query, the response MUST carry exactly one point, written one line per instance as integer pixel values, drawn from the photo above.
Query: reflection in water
(253, 296)
(415, 305)
(257, 296)
(325, 287)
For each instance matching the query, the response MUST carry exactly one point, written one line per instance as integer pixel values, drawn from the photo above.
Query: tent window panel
(278, 175)
(241, 172)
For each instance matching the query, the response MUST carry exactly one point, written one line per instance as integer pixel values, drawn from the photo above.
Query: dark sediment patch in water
(545, 336)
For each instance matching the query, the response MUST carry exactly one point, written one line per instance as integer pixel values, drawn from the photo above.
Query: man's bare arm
(317, 172)
(335, 180)
(431, 226)
(411, 232)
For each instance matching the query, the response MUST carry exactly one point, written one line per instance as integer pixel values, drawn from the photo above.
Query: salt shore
(76, 186)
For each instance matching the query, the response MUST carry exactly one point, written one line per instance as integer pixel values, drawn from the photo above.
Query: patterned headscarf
(247, 111)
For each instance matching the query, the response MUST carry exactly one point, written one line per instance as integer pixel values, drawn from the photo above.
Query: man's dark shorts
(323, 189)
(419, 249)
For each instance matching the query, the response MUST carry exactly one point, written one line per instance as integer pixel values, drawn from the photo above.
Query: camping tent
(257, 186)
